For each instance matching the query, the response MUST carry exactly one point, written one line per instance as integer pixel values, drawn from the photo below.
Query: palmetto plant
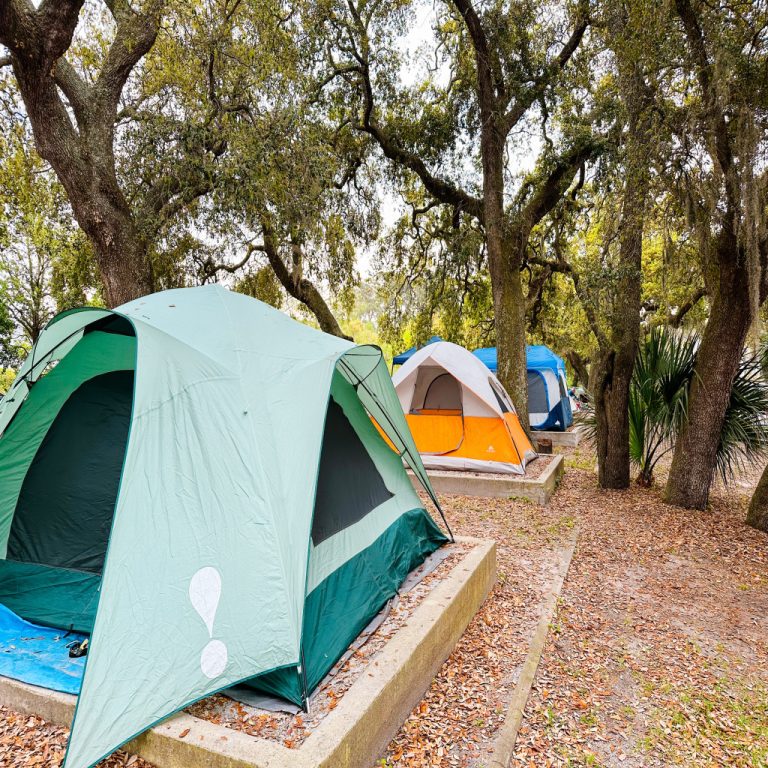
(658, 405)
(658, 397)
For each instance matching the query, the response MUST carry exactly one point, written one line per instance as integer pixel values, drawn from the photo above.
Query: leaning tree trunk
(757, 515)
(299, 287)
(579, 366)
(717, 362)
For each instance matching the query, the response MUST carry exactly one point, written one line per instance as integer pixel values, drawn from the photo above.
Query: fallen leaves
(27, 742)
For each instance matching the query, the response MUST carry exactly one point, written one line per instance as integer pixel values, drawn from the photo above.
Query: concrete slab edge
(367, 717)
(383, 700)
(570, 439)
(538, 490)
(504, 743)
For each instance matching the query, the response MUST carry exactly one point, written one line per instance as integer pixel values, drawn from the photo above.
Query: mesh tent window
(500, 398)
(537, 393)
(65, 508)
(349, 486)
(443, 394)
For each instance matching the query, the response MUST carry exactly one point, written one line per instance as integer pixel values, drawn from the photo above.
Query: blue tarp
(537, 358)
(404, 356)
(38, 655)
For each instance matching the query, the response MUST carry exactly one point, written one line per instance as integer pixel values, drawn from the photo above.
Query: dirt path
(659, 655)
(659, 652)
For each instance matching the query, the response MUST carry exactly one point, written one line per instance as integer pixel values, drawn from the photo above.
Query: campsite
(383, 383)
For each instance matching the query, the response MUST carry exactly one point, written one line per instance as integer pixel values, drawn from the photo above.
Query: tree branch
(560, 264)
(73, 87)
(210, 268)
(489, 67)
(299, 287)
(57, 20)
(675, 319)
(136, 34)
(695, 36)
(552, 188)
(172, 192)
(37, 39)
(442, 189)
(536, 91)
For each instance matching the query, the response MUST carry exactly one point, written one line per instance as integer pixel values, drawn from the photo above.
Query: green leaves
(744, 437)
(658, 398)
(46, 262)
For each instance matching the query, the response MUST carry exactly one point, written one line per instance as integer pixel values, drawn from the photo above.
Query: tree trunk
(97, 202)
(613, 372)
(616, 359)
(77, 138)
(121, 253)
(509, 311)
(308, 295)
(728, 281)
(717, 361)
(757, 515)
(580, 368)
(504, 260)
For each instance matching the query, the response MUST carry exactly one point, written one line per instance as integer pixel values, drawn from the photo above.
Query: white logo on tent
(205, 594)
(490, 449)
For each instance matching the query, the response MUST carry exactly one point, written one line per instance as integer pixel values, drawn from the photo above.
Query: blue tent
(549, 406)
(403, 357)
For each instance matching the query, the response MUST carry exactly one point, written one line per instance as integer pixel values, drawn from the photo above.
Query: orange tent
(459, 414)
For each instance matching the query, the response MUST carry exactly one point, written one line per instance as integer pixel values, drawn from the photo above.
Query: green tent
(195, 479)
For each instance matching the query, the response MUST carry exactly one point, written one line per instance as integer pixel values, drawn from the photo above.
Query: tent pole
(303, 675)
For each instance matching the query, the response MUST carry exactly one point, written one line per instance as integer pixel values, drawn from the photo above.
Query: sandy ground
(658, 655)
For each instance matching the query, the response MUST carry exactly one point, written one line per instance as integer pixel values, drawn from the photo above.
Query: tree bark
(580, 368)
(757, 515)
(82, 153)
(717, 362)
(502, 105)
(728, 283)
(299, 287)
(611, 395)
(509, 310)
(618, 349)
(121, 253)
(504, 260)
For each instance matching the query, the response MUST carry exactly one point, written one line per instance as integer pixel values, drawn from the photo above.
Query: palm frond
(744, 436)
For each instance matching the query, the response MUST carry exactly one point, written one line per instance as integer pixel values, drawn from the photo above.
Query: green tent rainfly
(195, 479)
